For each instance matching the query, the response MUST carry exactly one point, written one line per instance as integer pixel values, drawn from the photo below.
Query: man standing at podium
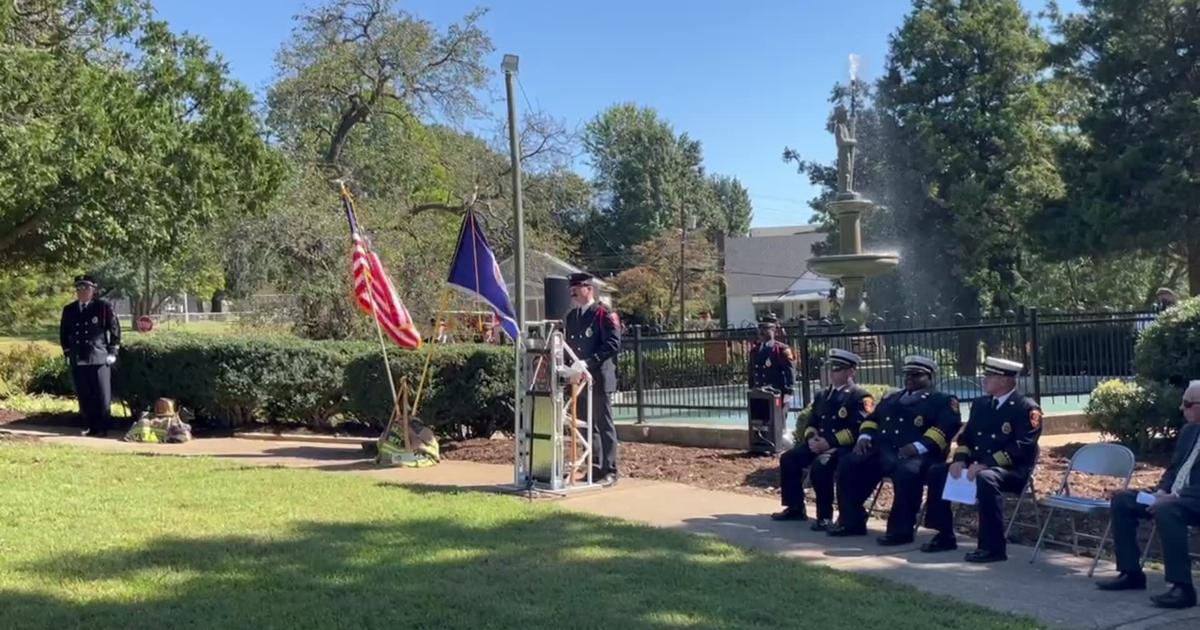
(594, 334)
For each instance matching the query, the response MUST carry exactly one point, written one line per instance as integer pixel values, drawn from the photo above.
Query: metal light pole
(509, 65)
(682, 269)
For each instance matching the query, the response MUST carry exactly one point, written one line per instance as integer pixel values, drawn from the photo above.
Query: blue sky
(746, 78)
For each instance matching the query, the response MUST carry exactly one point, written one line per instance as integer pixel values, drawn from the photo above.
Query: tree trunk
(1192, 245)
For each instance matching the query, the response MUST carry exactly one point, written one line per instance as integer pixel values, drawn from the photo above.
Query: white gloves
(110, 359)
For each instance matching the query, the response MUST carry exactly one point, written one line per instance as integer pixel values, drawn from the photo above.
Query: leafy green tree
(1130, 156)
(119, 137)
(963, 90)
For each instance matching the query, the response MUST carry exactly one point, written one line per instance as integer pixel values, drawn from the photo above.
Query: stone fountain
(850, 266)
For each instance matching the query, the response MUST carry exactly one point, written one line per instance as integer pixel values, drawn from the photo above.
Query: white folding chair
(1108, 460)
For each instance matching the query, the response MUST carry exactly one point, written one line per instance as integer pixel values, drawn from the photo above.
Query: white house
(768, 271)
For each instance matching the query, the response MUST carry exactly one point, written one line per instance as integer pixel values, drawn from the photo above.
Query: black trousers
(604, 432)
(822, 470)
(93, 388)
(1172, 520)
(858, 475)
(990, 486)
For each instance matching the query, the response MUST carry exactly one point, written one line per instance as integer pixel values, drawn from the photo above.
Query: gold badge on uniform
(587, 333)
(1006, 428)
(768, 363)
(919, 422)
(842, 412)
(95, 320)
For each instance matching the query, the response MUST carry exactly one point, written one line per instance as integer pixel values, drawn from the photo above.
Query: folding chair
(875, 499)
(1150, 540)
(1108, 460)
(1028, 491)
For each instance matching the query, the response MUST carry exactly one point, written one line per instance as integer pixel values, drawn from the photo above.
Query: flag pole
(387, 365)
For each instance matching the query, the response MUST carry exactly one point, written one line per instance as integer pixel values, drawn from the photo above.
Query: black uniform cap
(581, 279)
(768, 320)
(85, 281)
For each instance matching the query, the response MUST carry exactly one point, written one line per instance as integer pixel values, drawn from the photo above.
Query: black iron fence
(702, 373)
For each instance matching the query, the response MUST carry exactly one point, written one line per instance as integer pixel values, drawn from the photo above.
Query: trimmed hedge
(231, 381)
(36, 369)
(470, 387)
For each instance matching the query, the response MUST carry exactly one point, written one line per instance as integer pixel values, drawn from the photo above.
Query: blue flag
(474, 270)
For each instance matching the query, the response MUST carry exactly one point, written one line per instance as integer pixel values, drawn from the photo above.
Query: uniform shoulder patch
(954, 404)
(868, 404)
(788, 354)
(614, 319)
(1035, 418)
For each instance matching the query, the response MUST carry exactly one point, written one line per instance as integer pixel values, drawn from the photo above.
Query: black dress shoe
(1180, 596)
(888, 540)
(790, 514)
(981, 556)
(822, 524)
(608, 480)
(1124, 582)
(940, 543)
(841, 531)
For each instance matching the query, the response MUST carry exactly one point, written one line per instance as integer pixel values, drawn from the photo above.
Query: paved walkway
(1055, 590)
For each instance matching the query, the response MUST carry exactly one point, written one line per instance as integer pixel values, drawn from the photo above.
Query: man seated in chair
(1175, 507)
(832, 427)
(907, 433)
(997, 451)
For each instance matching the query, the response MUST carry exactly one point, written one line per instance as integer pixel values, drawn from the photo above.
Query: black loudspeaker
(558, 297)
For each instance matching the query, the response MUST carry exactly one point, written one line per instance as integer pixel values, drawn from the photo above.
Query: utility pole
(682, 268)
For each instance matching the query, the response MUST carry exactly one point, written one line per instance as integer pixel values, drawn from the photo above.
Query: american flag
(373, 289)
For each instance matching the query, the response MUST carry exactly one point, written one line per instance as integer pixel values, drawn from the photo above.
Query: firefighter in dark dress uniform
(996, 450)
(830, 432)
(594, 334)
(771, 361)
(90, 336)
(908, 432)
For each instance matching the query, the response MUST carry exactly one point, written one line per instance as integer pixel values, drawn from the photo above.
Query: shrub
(802, 416)
(1168, 351)
(1136, 414)
(230, 381)
(33, 368)
(470, 387)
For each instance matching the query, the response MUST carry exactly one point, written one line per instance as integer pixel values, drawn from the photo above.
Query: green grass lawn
(47, 334)
(94, 540)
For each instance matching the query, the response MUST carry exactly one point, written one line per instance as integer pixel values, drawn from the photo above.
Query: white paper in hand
(1145, 498)
(961, 490)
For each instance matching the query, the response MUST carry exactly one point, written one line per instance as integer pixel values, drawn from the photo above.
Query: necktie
(1185, 471)
(995, 403)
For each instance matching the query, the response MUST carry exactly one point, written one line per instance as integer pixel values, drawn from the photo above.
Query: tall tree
(650, 291)
(1132, 163)
(963, 90)
(647, 177)
(732, 210)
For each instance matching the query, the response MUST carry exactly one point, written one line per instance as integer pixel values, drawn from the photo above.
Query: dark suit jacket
(90, 334)
(1191, 492)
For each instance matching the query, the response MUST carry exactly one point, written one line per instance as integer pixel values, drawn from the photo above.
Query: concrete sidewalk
(1055, 591)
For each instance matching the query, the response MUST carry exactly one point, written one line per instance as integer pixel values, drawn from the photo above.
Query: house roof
(538, 265)
(760, 265)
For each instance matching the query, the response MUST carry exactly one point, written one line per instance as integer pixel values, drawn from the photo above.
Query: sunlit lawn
(47, 334)
(92, 540)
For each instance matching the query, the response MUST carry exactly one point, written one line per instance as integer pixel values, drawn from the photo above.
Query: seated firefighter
(163, 425)
(830, 432)
(908, 432)
(997, 450)
(1175, 507)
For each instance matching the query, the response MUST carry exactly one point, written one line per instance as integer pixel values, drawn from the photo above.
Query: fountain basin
(850, 206)
(853, 265)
